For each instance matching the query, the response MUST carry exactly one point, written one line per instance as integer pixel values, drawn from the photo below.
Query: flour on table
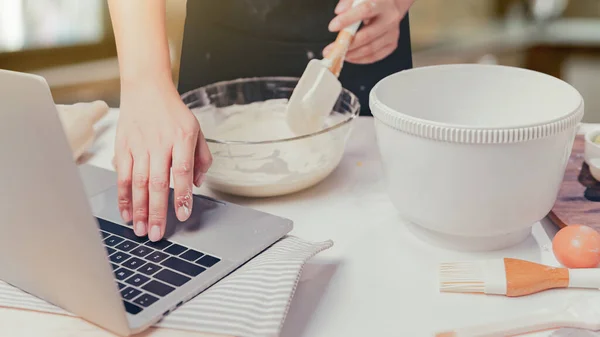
(270, 168)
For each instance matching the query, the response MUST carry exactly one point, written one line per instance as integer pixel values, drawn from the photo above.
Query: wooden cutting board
(578, 200)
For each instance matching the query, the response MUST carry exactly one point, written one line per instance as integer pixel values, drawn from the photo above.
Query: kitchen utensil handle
(588, 278)
(514, 327)
(341, 45)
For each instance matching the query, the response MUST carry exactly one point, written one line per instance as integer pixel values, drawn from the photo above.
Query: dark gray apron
(230, 39)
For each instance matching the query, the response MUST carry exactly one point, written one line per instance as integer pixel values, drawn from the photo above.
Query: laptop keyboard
(145, 271)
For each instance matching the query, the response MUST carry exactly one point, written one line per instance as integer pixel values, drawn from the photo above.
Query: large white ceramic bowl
(473, 154)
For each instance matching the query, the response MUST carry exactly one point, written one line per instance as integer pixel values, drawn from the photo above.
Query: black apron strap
(230, 39)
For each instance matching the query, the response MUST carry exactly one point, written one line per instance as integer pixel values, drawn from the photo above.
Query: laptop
(62, 239)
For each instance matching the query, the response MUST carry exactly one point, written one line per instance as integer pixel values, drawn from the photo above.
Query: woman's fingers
(161, 134)
(123, 168)
(366, 10)
(377, 55)
(361, 54)
(364, 36)
(379, 32)
(158, 188)
(203, 160)
(139, 192)
(371, 32)
(368, 43)
(343, 6)
(183, 172)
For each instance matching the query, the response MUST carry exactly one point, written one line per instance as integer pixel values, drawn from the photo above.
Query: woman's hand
(379, 34)
(157, 135)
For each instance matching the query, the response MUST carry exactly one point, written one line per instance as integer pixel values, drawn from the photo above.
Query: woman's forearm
(141, 39)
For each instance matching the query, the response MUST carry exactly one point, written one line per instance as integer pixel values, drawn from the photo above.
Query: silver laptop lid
(49, 242)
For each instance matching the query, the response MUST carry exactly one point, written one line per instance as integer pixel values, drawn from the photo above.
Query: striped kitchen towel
(252, 301)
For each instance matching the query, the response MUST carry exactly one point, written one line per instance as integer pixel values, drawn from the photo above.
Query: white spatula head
(313, 98)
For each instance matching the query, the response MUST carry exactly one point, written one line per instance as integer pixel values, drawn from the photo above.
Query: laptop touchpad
(213, 226)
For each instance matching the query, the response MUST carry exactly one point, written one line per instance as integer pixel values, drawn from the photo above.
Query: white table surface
(377, 279)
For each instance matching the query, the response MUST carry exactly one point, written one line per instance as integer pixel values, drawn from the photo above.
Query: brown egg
(577, 246)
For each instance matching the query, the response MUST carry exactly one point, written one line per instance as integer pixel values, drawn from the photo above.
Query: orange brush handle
(526, 278)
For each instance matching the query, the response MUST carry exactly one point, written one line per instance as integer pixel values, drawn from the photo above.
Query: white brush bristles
(485, 277)
(462, 277)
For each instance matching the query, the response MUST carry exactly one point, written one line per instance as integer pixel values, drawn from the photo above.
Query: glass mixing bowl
(263, 167)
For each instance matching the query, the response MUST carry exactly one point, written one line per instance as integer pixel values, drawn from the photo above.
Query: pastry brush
(512, 277)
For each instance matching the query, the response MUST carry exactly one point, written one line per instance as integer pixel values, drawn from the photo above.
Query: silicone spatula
(319, 88)
(581, 313)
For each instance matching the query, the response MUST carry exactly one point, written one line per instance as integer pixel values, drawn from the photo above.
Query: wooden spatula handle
(338, 54)
(342, 43)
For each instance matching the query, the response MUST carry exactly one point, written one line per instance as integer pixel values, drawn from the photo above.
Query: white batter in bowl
(255, 153)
